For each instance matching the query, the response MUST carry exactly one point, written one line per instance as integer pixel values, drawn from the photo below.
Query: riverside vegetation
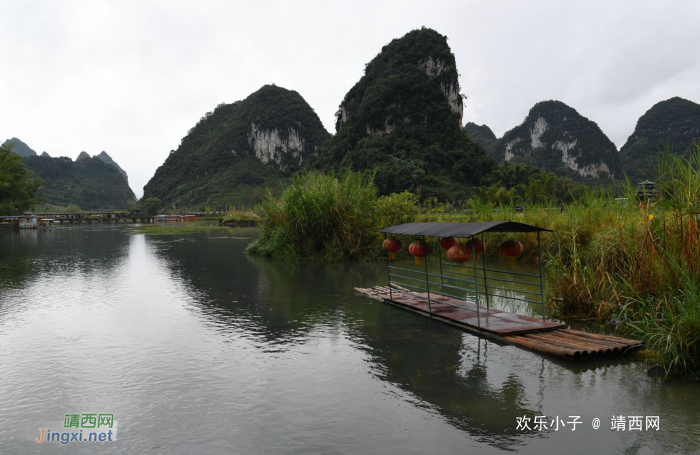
(17, 188)
(618, 260)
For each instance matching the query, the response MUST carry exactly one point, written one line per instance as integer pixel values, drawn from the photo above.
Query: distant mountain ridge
(22, 149)
(105, 158)
(674, 123)
(557, 138)
(19, 147)
(89, 183)
(238, 149)
(481, 134)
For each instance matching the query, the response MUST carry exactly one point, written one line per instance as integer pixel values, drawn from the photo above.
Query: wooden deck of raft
(524, 331)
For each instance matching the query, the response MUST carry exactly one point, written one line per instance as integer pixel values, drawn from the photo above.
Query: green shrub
(397, 208)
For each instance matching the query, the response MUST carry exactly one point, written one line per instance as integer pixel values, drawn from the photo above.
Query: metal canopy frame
(462, 230)
(461, 281)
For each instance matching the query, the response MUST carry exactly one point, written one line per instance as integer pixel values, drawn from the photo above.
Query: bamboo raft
(519, 330)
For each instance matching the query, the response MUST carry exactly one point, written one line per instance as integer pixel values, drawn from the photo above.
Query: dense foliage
(397, 121)
(88, 183)
(481, 134)
(397, 208)
(215, 164)
(17, 188)
(566, 126)
(521, 184)
(151, 206)
(319, 216)
(672, 124)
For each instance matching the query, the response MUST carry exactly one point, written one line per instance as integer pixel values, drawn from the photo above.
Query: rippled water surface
(196, 347)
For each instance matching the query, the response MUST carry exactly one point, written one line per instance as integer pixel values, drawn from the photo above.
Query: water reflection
(266, 300)
(80, 252)
(477, 386)
(448, 371)
(27, 253)
(280, 305)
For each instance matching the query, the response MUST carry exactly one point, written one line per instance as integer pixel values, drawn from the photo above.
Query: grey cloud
(132, 77)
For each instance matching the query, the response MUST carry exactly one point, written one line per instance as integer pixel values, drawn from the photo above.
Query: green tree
(397, 208)
(151, 206)
(17, 188)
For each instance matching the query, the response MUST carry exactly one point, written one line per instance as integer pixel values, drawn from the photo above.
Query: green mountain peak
(557, 138)
(105, 158)
(673, 123)
(403, 119)
(86, 182)
(481, 134)
(19, 147)
(237, 149)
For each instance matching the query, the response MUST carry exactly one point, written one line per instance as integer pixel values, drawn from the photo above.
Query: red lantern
(392, 245)
(512, 249)
(478, 247)
(418, 249)
(447, 242)
(459, 254)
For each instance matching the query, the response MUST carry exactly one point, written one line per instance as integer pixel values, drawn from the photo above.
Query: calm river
(196, 348)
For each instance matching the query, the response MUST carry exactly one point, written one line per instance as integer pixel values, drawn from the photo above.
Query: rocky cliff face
(557, 138)
(403, 118)
(238, 149)
(672, 124)
(449, 86)
(275, 148)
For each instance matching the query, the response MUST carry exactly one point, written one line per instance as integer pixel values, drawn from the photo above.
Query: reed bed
(320, 216)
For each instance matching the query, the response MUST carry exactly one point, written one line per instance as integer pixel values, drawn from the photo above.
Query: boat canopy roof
(444, 229)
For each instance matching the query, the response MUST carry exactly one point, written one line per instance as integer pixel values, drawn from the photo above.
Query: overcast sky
(131, 77)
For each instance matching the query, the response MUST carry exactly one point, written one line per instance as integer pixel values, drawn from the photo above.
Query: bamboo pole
(590, 347)
(591, 350)
(543, 347)
(613, 344)
(614, 348)
(602, 337)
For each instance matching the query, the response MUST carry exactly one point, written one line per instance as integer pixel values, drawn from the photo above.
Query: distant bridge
(108, 217)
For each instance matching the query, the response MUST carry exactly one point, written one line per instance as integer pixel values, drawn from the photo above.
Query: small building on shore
(174, 218)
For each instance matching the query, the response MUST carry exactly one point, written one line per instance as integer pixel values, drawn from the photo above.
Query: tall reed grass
(635, 261)
(666, 314)
(625, 259)
(320, 216)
